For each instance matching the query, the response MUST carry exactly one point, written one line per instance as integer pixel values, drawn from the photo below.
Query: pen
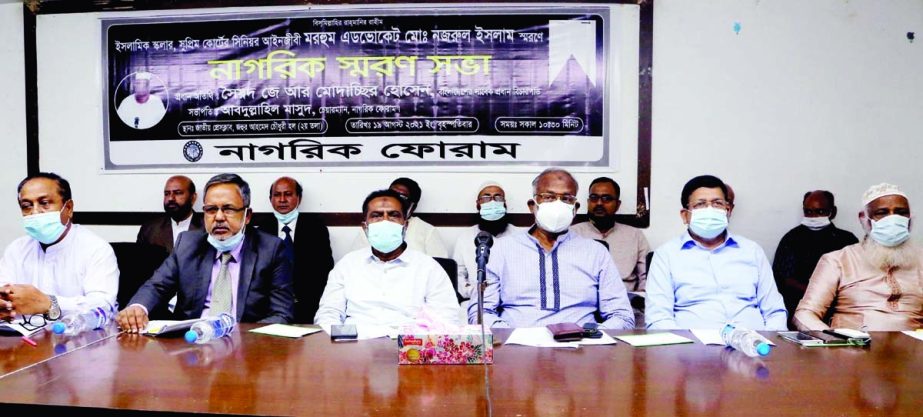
(29, 341)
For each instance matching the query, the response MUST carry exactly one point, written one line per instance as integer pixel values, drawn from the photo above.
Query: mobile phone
(343, 333)
(801, 338)
(591, 330)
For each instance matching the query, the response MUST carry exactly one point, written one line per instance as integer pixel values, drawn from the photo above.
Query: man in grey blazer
(231, 268)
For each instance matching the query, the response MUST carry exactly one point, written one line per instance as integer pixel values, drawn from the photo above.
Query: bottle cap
(58, 328)
(191, 336)
(763, 349)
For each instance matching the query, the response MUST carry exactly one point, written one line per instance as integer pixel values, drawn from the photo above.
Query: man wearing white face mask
(59, 267)
(550, 274)
(873, 285)
(708, 276)
(801, 248)
(387, 283)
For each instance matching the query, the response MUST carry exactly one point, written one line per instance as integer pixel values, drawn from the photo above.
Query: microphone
(137, 121)
(482, 242)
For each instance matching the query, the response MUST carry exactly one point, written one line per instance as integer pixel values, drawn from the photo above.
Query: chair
(451, 269)
(137, 262)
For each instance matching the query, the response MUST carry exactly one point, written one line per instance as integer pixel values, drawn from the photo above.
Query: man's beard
(494, 227)
(602, 223)
(903, 256)
(177, 212)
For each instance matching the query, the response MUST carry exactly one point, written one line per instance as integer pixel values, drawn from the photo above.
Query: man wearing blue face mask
(876, 284)
(387, 283)
(307, 241)
(801, 248)
(59, 267)
(228, 268)
(549, 274)
(492, 218)
(709, 277)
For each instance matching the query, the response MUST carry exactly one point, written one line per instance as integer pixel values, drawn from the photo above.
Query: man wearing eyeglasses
(874, 285)
(493, 219)
(421, 236)
(549, 274)
(60, 267)
(228, 268)
(708, 277)
(801, 248)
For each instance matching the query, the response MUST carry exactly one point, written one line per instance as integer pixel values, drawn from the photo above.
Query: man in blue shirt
(708, 276)
(548, 274)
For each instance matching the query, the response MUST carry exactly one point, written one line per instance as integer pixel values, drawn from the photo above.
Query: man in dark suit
(178, 197)
(231, 268)
(308, 240)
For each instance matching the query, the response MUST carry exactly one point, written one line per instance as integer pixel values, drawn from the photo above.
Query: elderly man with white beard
(874, 284)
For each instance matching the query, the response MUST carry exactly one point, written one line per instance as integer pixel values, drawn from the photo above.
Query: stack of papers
(916, 334)
(653, 339)
(285, 330)
(542, 337)
(159, 327)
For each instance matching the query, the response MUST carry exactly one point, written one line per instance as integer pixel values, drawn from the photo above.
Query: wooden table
(16, 355)
(252, 374)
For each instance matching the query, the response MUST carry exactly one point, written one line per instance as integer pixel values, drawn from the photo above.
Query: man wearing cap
(801, 248)
(492, 218)
(141, 110)
(872, 285)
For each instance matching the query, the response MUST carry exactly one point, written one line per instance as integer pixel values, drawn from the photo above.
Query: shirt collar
(235, 253)
(688, 242)
(182, 223)
(403, 258)
(564, 237)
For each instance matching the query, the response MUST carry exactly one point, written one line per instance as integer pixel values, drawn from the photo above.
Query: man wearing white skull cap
(141, 110)
(876, 284)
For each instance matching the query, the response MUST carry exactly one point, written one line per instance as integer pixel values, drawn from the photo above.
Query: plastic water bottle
(211, 328)
(746, 341)
(92, 319)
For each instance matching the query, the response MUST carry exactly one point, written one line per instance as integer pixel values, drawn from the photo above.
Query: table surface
(255, 374)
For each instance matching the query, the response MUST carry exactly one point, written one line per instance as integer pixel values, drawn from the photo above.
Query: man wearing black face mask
(627, 244)
(179, 195)
(492, 218)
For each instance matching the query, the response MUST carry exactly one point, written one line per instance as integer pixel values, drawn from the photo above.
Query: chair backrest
(137, 262)
(451, 269)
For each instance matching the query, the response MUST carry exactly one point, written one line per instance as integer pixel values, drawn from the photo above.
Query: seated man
(230, 268)
(388, 283)
(549, 274)
(178, 197)
(872, 285)
(801, 248)
(308, 241)
(492, 218)
(709, 277)
(59, 267)
(420, 236)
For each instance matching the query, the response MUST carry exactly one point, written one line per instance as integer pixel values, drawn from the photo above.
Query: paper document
(159, 327)
(653, 339)
(542, 337)
(708, 336)
(285, 330)
(916, 334)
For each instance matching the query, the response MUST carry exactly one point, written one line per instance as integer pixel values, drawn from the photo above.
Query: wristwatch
(54, 312)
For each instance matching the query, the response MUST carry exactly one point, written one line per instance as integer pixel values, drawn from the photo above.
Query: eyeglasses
(605, 198)
(718, 204)
(551, 197)
(227, 210)
(817, 212)
(32, 322)
(488, 198)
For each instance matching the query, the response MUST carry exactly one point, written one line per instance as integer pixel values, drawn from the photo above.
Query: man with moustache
(873, 285)
(179, 194)
(549, 274)
(492, 218)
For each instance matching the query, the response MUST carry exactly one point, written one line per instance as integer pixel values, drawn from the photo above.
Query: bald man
(179, 194)
(307, 241)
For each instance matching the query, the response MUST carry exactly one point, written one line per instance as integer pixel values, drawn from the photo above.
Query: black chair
(137, 262)
(451, 269)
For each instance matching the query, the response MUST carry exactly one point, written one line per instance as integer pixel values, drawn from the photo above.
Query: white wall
(12, 119)
(820, 94)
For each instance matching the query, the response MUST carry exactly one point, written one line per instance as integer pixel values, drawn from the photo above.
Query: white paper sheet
(542, 337)
(708, 336)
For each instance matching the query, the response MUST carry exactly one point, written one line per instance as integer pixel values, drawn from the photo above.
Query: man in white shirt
(388, 283)
(141, 110)
(60, 267)
(492, 218)
(420, 236)
(179, 194)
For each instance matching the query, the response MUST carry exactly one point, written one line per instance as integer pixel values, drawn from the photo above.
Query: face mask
(555, 217)
(44, 227)
(385, 236)
(493, 210)
(891, 230)
(287, 217)
(815, 223)
(708, 222)
(228, 244)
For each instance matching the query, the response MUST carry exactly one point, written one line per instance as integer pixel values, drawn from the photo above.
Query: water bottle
(210, 328)
(746, 341)
(92, 319)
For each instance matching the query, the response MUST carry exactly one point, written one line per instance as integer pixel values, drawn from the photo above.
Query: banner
(397, 87)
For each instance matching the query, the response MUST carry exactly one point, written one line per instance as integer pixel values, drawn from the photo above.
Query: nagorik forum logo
(192, 150)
